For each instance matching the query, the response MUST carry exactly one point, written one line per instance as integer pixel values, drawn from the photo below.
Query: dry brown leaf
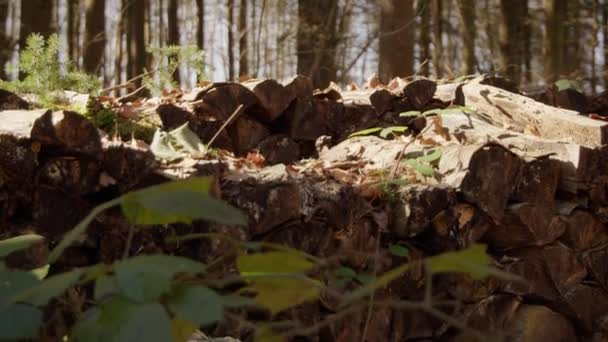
(256, 159)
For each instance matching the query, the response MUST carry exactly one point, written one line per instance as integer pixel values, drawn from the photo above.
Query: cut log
(450, 94)
(503, 108)
(76, 176)
(484, 173)
(566, 98)
(279, 149)
(10, 101)
(220, 101)
(381, 100)
(246, 134)
(274, 97)
(299, 87)
(418, 91)
(19, 123)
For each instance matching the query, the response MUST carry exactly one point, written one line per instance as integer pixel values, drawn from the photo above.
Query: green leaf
(19, 322)
(41, 272)
(423, 169)
(161, 146)
(364, 132)
(473, 261)
(397, 181)
(432, 157)
(197, 304)
(178, 201)
(566, 84)
(272, 262)
(182, 330)
(105, 286)
(13, 282)
(148, 322)
(278, 294)
(120, 320)
(43, 292)
(266, 334)
(146, 277)
(187, 139)
(392, 130)
(17, 243)
(366, 278)
(345, 272)
(410, 113)
(399, 250)
(236, 301)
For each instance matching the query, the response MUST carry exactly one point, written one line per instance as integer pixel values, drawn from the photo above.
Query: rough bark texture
(136, 46)
(437, 15)
(200, 24)
(94, 35)
(466, 10)
(317, 40)
(243, 33)
(230, 29)
(556, 14)
(396, 55)
(512, 34)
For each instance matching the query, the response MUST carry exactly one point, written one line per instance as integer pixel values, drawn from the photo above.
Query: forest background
(532, 42)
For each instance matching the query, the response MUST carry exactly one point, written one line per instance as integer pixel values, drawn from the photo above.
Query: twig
(132, 93)
(402, 152)
(238, 111)
(372, 295)
(130, 81)
(125, 253)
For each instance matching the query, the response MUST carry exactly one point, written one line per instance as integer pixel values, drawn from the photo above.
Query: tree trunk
(230, 10)
(595, 30)
(425, 38)
(605, 42)
(437, 18)
(556, 14)
(527, 39)
(200, 24)
(73, 29)
(136, 39)
(396, 58)
(5, 38)
(512, 38)
(243, 33)
(466, 9)
(37, 16)
(317, 40)
(173, 33)
(95, 39)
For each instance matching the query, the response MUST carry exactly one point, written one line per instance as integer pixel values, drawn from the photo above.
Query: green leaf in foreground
(266, 334)
(365, 132)
(146, 277)
(433, 156)
(13, 282)
(197, 304)
(19, 321)
(178, 201)
(345, 272)
(17, 243)
(384, 133)
(410, 113)
(424, 169)
(473, 261)
(43, 292)
(278, 294)
(399, 250)
(272, 262)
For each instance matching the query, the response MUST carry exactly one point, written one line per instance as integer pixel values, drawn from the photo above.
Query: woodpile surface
(526, 178)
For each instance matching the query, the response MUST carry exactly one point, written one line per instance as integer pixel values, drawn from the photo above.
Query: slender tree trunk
(424, 39)
(512, 38)
(200, 24)
(73, 29)
(136, 39)
(396, 58)
(243, 33)
(317, 40)
(173, 29)
(556, 14)
(466, 9)
(437, 18)
(37, 16)
(5, 38)
(605, 42)
(95, 39)
(230, 10)
(527, 39)
(595, 30)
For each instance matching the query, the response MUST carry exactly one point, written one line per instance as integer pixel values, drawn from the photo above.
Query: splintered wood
(478, 162)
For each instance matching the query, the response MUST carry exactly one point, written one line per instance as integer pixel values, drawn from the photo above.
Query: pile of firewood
(528, 179)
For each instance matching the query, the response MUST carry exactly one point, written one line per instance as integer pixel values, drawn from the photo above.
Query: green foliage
(446, 111)
(564, 84)
(176, 143)
(44, 75)
(383, 132)
(170, 58)
(424, 164)
(166, 298)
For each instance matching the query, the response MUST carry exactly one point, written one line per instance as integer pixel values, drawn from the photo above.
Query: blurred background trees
(529, 41)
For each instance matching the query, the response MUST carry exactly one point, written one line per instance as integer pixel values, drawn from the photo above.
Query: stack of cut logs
(528, 179)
